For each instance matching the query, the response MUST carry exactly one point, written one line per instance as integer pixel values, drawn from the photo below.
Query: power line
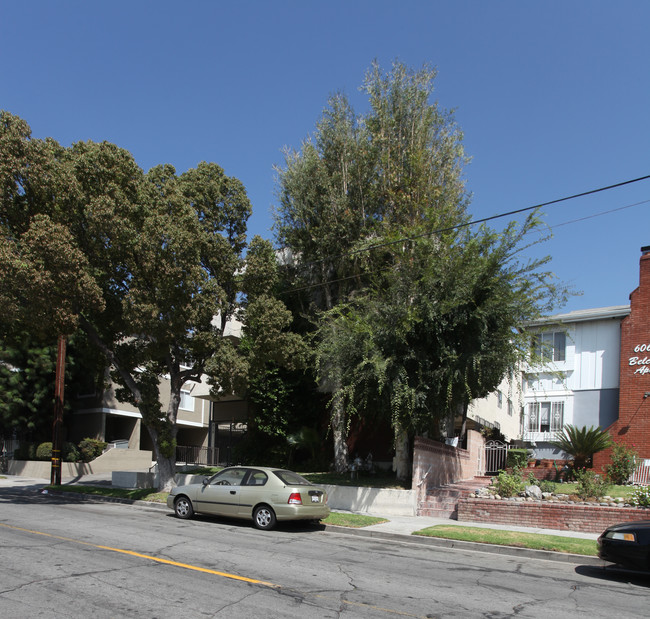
(609, 212)
(479, 221)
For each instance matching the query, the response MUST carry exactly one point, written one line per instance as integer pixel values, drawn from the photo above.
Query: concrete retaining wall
(112, 460)
(140, 479)
(383, 501)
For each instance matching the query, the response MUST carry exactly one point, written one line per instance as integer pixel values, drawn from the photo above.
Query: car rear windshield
(289, 478)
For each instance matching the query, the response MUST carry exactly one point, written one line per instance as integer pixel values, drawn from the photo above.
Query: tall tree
(356, 188)
(147, 265)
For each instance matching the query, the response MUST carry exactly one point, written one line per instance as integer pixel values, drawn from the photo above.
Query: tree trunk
(166, 473)
(463, 426)
(341, 456)
(166, 462)
(402, 463)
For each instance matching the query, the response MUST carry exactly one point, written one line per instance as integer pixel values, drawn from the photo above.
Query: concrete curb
(548, 555)
(438, 542)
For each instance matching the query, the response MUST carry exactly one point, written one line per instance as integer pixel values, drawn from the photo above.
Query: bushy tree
(147, 265)
(363, 181)
(415, 313)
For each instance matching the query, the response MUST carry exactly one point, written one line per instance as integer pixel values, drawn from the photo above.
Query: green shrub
(517, 457)
(509, 484)
(44, 451)
(91, 448)
(532, 480)
(623, 464)
(69, 453)
(590, 485)
(640, 497)
(547, 486)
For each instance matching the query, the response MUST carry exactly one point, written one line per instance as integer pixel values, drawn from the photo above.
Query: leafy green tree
(582, 443)
(26, 389)
(27, 371)
(413, 313)
(147, 265)
(266, 365)
(355, 189)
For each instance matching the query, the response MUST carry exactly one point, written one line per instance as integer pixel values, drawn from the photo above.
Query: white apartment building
(577, 381)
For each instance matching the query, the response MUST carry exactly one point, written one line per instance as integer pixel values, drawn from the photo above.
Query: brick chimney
(632, 427)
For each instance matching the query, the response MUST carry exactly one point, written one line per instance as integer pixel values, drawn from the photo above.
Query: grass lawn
(613, 491)
(536, 541)
(355, 521)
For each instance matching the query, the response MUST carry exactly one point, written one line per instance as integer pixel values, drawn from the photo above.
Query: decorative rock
(534, 492)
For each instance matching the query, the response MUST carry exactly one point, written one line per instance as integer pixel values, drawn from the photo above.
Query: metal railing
(207, 456)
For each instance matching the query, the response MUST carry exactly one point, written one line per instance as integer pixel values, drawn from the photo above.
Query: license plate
(315, 499)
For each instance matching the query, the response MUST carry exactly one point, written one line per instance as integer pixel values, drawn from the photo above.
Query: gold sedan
(264, 494)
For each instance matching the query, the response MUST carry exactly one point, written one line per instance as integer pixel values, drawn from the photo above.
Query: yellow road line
(205, 570)
(132, 553)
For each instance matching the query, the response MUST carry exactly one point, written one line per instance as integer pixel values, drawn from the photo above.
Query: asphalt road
(66, 557)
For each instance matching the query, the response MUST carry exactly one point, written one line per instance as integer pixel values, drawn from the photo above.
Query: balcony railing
(539, 436)
(206, 456)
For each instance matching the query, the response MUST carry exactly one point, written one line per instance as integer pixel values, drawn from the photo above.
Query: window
(499, 399)
(509, 408)
(187, 401)
(545, 416)
(550, 346)
(229, 477)
(257, 478)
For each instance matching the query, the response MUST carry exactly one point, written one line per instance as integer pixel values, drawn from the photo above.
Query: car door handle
(233, 492)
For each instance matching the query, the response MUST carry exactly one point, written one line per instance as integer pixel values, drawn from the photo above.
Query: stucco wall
(436, 464)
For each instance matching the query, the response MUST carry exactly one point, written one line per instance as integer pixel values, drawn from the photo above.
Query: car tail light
(295, 498)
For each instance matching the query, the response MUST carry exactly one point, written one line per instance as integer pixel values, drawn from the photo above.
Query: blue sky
(553, 97)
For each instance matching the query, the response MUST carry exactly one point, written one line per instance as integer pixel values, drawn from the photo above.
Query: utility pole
(57, 442)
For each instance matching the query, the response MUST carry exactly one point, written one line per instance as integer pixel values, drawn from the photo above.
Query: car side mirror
(205, 481)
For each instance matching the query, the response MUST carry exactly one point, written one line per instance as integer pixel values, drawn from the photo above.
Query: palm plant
(582, 443)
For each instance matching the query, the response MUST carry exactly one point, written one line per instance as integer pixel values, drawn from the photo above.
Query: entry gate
(495, 457)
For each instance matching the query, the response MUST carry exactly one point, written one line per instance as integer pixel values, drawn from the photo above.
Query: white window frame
(187, 400)
(550, 346)
(545, 417)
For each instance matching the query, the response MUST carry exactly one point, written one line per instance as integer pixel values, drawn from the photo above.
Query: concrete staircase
(442, 502)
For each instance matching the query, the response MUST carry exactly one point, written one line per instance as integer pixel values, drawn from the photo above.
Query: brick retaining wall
(584, 518)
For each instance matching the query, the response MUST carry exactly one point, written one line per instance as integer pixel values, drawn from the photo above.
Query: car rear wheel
(183, 508)
(264, 517)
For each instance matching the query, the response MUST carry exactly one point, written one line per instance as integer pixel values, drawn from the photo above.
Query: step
(442, 502)
(449, 514)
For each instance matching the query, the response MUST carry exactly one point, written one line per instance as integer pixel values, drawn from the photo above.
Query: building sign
(642, 364)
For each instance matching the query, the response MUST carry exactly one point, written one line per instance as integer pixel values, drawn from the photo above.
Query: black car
(627, 544)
